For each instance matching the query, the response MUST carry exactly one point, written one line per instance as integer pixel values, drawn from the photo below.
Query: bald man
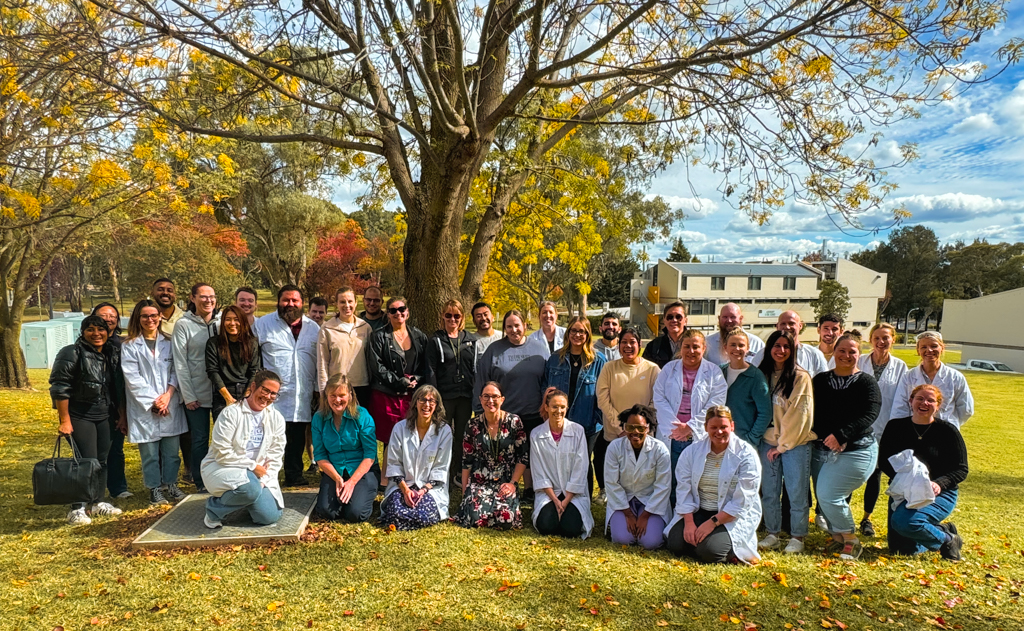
(807, 357)
(730, 318)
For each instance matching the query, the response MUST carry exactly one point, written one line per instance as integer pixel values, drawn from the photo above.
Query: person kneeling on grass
(419, 455)
(246, 454)
(637, 475)
(940, 447)
(345, 448)
(717, 504)
(560, 463)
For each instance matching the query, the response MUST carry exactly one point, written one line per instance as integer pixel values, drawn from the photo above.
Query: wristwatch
(714, 520)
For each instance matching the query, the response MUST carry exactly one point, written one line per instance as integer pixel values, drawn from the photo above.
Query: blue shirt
(347, 446)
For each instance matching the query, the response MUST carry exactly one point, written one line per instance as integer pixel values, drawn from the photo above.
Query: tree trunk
(583, 305)
(112, 266)
(13, 373)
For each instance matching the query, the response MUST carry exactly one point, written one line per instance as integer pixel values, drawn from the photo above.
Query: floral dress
(490, 465)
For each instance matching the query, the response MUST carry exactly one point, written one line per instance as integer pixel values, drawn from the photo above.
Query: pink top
(684, 414)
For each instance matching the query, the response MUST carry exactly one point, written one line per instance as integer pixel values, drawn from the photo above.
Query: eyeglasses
(155, 316)
(270, 394)
(428, 401)
(394, 310)
(672, 317)
(453, 316)
(577, 332)
(490, 397)
(635, 429)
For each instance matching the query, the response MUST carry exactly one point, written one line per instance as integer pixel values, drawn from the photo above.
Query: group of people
(690, 443)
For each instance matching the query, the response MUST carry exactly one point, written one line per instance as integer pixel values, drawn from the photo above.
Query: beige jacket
(620, 386)
(793, 417)
(339, 351)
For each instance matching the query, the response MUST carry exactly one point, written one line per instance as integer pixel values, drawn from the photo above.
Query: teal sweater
(750, 404)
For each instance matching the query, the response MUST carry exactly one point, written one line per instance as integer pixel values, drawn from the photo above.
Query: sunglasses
(635, 429)
(453, 316)
(394, 310)
(673, 317)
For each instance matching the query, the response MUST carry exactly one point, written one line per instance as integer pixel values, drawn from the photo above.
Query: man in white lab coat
(288, 346)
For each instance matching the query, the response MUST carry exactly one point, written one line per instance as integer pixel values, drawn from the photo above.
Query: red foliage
(337, 262)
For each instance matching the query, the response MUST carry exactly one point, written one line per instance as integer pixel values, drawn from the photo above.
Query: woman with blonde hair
(957, 401)
(419, 455)
(559, 459)
(549, 332)
(345, 448)
(451, 355)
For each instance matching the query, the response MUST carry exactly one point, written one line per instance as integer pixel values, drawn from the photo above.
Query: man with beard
(288, 345)
(483, 317)
(730, 318)
(373, 300)
(830, 327)
(608, 345)
(807, 357)
(164, 297)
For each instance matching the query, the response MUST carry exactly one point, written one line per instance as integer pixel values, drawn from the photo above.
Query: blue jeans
(791, 469)
(160, 462)
(252, 495)
(912, 531)
(117, 483)
(836, 476)
(199, 427)
(677, 448)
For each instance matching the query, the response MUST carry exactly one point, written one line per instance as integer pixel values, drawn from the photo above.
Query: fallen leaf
(261, 568)
(309, 624)
(780, 577)
(594, 611)
(274, 606)
(726, 577)
(660, 623)
(195, 576)
(825, 624)
(734, 620)
(95, 620)
(594, 587)
(349, 612)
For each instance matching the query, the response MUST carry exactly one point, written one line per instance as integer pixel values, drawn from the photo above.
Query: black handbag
(59, 480)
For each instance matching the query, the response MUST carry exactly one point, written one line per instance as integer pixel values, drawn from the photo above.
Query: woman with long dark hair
(232, 358)
(785, 448)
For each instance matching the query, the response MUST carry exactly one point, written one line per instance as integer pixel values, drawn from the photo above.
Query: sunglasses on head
(394, 310)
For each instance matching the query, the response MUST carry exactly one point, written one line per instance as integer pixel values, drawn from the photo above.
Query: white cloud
(975, 124)
(693, 207)
(1012, 108)
(958, 207)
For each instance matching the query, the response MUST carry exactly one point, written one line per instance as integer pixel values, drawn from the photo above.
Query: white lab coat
(709, 388)
(648, 478)
(559, 336)
(293, 360)
(562, 467)
(716, 355)
(888, 382)
(226, 465)
(911, 484)
(957, 402)
(739, 481)
(419, 463)
(807, 357)
(147, 376)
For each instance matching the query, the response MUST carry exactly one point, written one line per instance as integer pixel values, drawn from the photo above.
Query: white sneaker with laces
(102, 508)
(770, 542)
(77, 517)
(123, 495)
(210, 523)
(821, 522)
(795, 546)
(601, 498)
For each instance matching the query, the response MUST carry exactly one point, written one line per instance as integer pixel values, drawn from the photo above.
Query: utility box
(40, 341)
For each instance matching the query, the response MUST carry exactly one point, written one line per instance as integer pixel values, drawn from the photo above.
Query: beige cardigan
(620, 386)
(341, 352)
(793, 417)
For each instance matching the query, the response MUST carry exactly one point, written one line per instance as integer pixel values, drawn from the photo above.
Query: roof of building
(744, 269)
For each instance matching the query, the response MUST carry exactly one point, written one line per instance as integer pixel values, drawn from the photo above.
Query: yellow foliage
(107, 173)
(226, 164)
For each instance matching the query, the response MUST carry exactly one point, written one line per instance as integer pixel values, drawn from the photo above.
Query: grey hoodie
(188, 344)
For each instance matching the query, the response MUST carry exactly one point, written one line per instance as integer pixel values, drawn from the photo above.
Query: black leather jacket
(80, 373)
(388, 369)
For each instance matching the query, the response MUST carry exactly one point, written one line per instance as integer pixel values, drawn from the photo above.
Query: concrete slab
(183, 525)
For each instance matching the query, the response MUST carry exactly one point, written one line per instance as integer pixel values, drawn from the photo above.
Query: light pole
(906, 326)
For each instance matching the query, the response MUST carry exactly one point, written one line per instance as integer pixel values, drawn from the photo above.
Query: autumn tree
(772, 95)
(339, 257)
(66, 173)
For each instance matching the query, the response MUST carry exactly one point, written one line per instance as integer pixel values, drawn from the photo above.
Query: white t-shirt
(252, 446)
(733, 373)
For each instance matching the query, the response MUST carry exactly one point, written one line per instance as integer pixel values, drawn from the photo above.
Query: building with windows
(762, 289)
(979, 325)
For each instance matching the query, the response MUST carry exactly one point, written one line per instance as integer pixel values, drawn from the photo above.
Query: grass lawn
(360, 577)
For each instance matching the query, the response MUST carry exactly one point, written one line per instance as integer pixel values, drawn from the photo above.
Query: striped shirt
(707, 488)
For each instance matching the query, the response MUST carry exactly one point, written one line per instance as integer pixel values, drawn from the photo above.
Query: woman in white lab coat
(888, 372)
(155, 415)
(246, 455)
(419, 454)
(718, 507)
(637, 475)
(957, 401)
(560, 463)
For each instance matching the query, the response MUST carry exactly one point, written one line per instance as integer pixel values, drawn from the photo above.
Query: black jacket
(659, 350)
(452, 375)
(388, 368)
(80, 374)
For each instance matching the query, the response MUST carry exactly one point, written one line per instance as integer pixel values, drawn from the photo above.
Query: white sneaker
(770, 542)
(210, 523)
(77, 517)
(601, 498)
(123, 495)
(795, 546)
(102, 508)
(821, 522)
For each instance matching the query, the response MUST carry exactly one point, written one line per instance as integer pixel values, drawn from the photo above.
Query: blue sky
(966, 184)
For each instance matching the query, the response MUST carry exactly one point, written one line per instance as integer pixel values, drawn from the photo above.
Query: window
(682, 283)
(753, 283)
(789, 283)
(700, 307)
(718, 283)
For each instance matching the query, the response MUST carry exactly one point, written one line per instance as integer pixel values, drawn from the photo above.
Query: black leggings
(591, 442)
(457, 411)
(871, 491)
(93, 441)
(715, 548)
(600, 449)
(570, 525)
